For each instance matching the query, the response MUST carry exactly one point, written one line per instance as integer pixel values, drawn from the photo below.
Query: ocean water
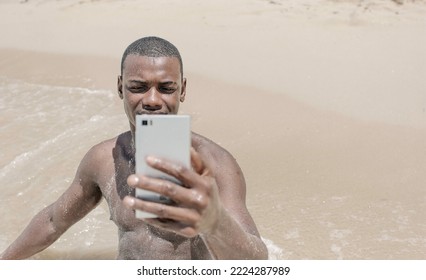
(353, 191)
(45, 130)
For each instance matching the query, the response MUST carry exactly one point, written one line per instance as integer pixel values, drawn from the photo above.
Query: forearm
(37, 236)
(228, 240)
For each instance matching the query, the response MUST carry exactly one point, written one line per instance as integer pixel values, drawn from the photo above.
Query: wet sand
(323, 106)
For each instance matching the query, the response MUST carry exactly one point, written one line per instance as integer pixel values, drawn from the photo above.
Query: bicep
(79, 199)
(232, 190)
(73, 205)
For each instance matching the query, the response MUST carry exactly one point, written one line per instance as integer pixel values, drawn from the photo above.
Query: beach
(321, 102)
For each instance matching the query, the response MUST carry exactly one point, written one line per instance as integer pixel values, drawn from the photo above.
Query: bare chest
(113, 184)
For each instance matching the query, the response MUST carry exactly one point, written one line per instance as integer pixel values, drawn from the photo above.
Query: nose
(152, 100)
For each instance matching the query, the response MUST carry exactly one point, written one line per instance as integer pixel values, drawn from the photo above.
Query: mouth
(151, 113)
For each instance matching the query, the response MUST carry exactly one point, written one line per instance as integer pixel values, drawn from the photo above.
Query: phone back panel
(167, 136)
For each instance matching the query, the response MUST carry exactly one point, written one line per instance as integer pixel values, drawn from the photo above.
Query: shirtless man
(210, 219)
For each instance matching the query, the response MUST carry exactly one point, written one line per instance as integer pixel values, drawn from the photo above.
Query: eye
(167, 90)
(138, 89)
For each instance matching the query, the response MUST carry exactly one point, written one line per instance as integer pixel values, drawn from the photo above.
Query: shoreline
(364, 60)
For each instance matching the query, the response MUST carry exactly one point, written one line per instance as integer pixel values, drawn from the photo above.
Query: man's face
(151, 85)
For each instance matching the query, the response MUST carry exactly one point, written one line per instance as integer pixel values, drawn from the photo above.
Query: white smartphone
(166, 136)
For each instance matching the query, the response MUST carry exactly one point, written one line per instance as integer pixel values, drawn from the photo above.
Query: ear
(120, 86)
(183, 91)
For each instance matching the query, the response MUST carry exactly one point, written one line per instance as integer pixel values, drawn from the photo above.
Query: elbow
(53, 229)
(262, 251)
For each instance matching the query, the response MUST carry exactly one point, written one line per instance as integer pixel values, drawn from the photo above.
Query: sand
(323, 103)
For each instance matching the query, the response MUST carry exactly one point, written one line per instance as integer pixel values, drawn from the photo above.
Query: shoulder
(105, 149)
(218, 159)
(100, 156)
(101, 151)
(208, 147)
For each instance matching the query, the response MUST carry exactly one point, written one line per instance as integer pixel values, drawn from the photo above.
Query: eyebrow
(136, 81)
(145, 82)
(168, 83)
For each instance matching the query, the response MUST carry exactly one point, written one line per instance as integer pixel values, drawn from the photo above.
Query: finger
(186, 176)
(164, 188)
(133, 180)
(181, 196)
(183, 215)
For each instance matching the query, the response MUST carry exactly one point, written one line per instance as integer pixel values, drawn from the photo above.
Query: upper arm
(81, 197)
(232, 189)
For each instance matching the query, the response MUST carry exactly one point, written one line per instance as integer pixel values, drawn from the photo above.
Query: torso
(137, 239)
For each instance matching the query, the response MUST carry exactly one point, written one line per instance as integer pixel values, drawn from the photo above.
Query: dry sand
(323, 103)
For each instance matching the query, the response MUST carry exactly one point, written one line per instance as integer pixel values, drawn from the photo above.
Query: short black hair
(152, 47)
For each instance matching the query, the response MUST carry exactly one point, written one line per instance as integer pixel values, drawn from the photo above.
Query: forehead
(142, 66)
